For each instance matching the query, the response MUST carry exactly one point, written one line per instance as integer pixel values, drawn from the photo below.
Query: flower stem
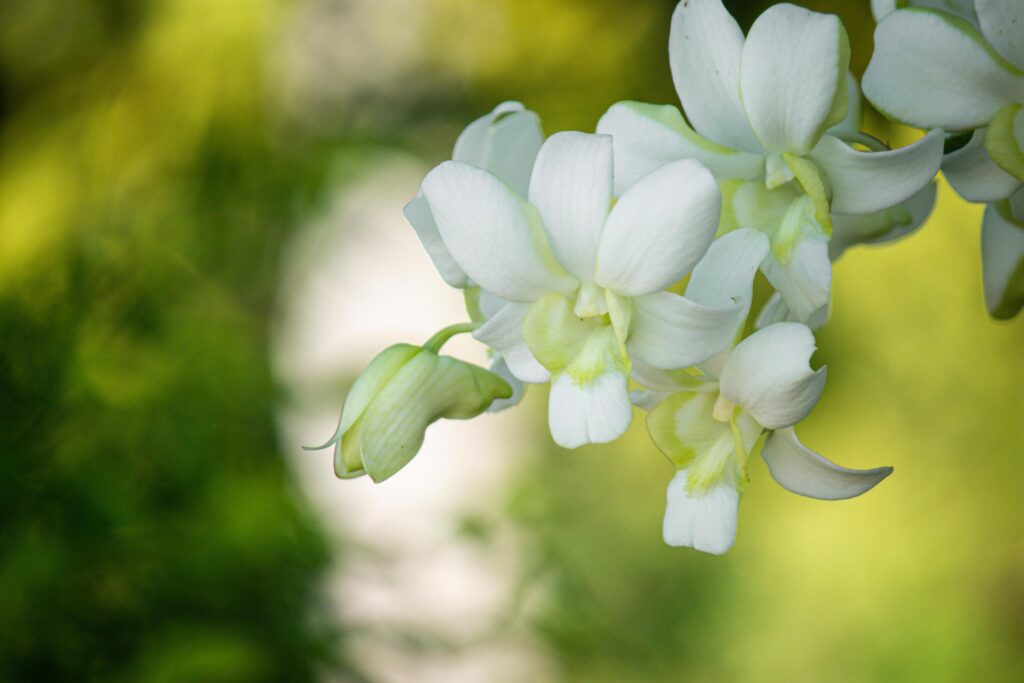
(435, 343)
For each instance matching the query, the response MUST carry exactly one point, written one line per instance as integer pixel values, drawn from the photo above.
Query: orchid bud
(402, 392)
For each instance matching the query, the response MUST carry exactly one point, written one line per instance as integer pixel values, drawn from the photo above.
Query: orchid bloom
(504, 142)
(774, 116)
(584, 281)
(708, 420)
(962, 69)
(710, 425)
(403, 390)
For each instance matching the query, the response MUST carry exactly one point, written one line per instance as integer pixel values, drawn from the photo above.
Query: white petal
(769, 375)
(503, 332)
(1002, 24)
(417, 212)
(647, 399)
(775, 310)
(597, 411)
(793, 76)
(881, 8)
(490, 303)
(704, 49)
(804, 277)
(882, 226)
(648, 136)
(667, 381)
(933, 70)
(961, 8)
(471, 145)
(973, 174)
(863, 182)
(804, 472)
(726, 273)
(705, 522)
(1002, 259)
(501, 369)
(494, 236)
(512, 147)
(671, 332)
(659, 229)
(504, 142)
(851, 123)
(572, 188)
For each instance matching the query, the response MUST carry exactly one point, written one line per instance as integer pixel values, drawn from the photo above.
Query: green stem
(435, 343)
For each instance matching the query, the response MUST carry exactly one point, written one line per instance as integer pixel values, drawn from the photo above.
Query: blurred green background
(156, 161)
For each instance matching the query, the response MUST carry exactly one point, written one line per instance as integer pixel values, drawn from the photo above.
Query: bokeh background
(201, 244)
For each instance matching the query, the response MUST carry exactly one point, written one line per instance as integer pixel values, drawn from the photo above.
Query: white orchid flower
(962, 69)
(774, 116)
(504, 142)
(709, 420)
(403, 390)
(585, 280)
(709, 427)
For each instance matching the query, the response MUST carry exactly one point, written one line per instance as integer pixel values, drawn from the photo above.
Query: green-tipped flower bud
(403, 391)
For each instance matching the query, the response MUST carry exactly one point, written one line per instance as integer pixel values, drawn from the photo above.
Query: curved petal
(1002, 24)
(797, 265)
(427, 388)
(1004, 140)
(504, 142)
(648, 136)
(417, 212)
(512, 147)
(863, 182)
(1002, 260)
(851, 123)
(804, 472)
(471, 145)
(961, 8)
(494, 236)
(571, 186)
(775, 310)
(597, 411)
(973, 174)
(881, 8)
(704, 48)
(705, 521)
(769, 375)
(668, 381)
(725, 276)
(682, 428)
(933, 70)
(671, 332)
(501, 369)
(882, 226)
(793, 76)
(503, 332)
(659, 229)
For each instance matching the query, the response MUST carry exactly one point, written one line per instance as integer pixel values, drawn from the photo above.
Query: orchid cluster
(619, 266)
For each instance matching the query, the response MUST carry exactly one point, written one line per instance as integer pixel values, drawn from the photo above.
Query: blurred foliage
(149, 530)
